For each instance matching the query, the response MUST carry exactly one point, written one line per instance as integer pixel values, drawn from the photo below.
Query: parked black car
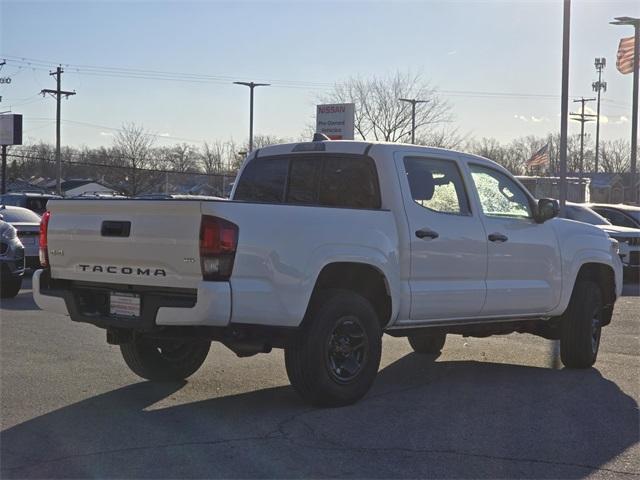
(620, 214)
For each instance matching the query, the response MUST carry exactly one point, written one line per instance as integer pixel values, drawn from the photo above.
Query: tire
(9, 287)
(164, 360)
(324, 366)
(427, 343)
(581, 326)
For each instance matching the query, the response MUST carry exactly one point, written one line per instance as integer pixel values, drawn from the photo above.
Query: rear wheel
(10, 286)
(336, 359)
(164, 360)
(582, 326)
(427, 343)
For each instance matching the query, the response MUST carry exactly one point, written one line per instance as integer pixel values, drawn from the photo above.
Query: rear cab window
(316, 179)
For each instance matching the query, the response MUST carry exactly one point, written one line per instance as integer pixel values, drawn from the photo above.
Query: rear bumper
(207, 305)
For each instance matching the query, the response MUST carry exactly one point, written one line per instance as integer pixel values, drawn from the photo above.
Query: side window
(437, 185)
(349, 182)
(263, 180)
(499, 195)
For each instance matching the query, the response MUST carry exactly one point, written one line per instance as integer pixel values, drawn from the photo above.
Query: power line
(144, 74)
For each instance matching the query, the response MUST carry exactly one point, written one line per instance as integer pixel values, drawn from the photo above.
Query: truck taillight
(218, 242)
(44, 225)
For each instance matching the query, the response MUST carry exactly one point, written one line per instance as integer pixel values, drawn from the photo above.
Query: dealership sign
(336, 120)
(11, 129)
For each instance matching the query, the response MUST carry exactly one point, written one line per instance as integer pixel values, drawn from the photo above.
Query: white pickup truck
(323, 247)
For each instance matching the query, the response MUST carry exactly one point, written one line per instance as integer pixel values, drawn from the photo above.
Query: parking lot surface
(494, 407)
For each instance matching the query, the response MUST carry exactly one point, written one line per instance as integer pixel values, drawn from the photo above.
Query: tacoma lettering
(143, 272)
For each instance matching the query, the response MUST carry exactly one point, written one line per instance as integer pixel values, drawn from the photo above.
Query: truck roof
(360, 147)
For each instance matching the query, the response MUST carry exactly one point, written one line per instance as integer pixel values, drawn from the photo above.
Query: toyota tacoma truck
(322, 248)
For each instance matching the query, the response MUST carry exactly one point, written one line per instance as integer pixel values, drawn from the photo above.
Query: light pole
(413, 103)
(598, 86)
(564, 103)
(635, 22)
(251, 86)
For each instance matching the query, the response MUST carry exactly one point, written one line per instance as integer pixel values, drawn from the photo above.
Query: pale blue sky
(469, 46)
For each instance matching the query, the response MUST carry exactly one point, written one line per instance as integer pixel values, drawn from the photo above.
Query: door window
(499, 195)
(437, 185)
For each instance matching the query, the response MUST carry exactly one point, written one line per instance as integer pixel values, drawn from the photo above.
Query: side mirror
(547, 209)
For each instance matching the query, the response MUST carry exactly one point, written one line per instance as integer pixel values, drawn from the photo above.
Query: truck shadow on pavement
(422, 419)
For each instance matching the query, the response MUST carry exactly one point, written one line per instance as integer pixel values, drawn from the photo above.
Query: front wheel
(164, 360)
(336, 360)
(582, 326)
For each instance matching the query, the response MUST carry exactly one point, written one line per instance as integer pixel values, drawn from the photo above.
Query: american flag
(540, 158)
(624, 61)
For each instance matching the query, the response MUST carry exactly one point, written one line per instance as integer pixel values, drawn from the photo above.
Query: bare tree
(444, 138)
(212, 156)
(616, 155)
(181, 158)
(381, 116)
(133, 146)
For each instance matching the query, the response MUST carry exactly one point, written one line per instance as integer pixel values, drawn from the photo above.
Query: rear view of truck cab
(323, 247)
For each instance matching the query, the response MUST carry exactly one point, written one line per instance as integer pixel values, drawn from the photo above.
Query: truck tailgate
(88, 241)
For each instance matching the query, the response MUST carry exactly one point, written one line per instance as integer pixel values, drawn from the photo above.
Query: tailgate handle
(115, 229)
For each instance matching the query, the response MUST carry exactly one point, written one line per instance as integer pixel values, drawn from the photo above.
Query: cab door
(524, 264)
(447, 239)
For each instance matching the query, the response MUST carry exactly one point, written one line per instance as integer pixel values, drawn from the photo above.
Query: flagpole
(564, 104)
(634, 117)
(635, 22)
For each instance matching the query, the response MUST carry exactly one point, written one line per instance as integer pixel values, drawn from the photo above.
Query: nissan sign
(336, 121)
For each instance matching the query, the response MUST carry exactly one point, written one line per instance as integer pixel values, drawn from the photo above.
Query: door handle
(498, 237)
(426, 233)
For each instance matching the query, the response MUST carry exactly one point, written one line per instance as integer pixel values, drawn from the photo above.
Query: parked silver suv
(11, 261)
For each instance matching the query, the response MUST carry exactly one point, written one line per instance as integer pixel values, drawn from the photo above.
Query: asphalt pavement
(486, 408)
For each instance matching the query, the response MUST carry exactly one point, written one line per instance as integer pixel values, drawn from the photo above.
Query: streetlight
(251, 86)
(413, 103)
(635, 22)
(598, 86)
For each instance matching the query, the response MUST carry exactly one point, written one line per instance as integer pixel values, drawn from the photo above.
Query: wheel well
(361, 278)
(602, 275)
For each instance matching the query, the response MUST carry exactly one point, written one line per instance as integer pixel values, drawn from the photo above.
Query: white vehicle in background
(27, 224)
(323, 247)
(628, 238)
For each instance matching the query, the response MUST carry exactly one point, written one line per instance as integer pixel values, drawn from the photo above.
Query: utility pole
(413, 103)
(582, 118)
(58, 93)
(635, 22)
(598, 86)
(251, 86)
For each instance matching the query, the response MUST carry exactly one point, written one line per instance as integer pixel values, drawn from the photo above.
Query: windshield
(19, 216)
(585, 215)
